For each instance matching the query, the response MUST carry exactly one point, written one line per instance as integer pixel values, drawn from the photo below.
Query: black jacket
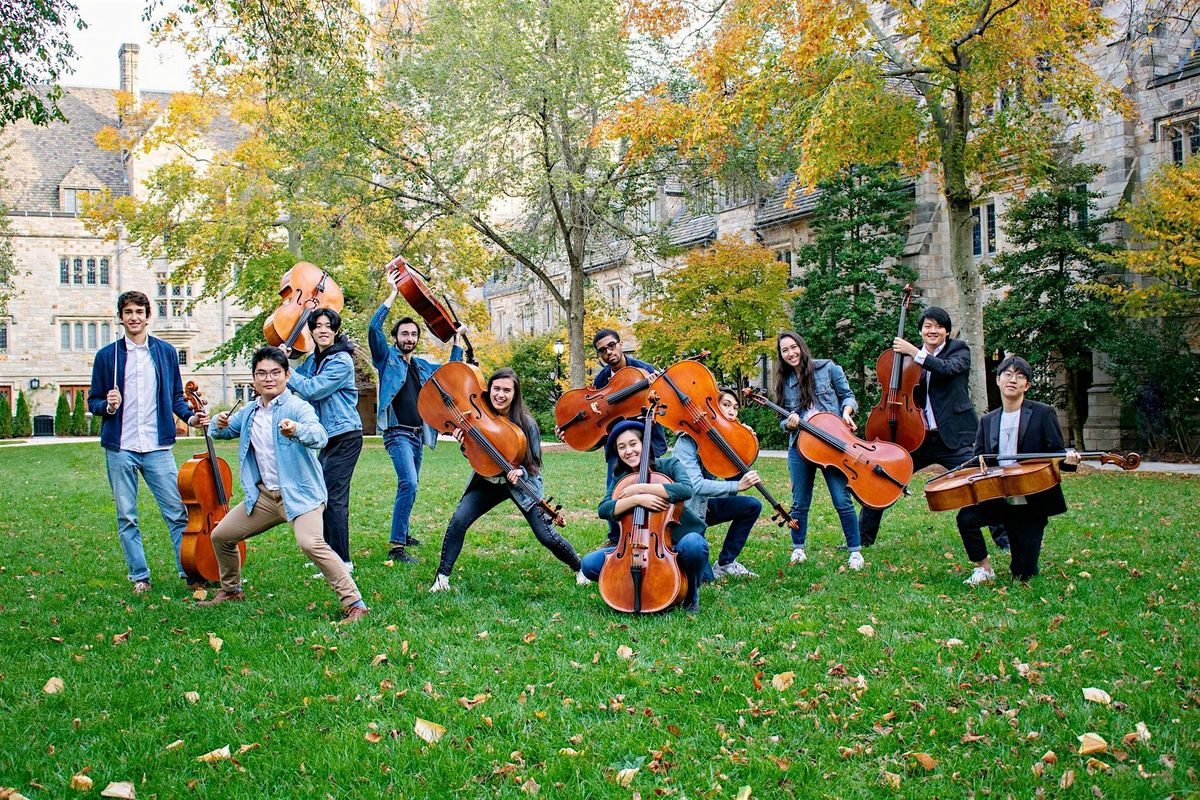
(949, 393)
(1038, 433)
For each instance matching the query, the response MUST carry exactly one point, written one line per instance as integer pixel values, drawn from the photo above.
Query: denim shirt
(330, 390)
(832, 392)
(393, 371)
(301, 484)
(704, 485)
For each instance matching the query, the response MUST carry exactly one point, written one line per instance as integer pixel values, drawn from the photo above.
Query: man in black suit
(1018, 426)
(944, 394)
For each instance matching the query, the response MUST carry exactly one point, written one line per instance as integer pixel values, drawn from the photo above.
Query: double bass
(727, 447)
(641, 575)
(897, 417)
(206, 486)
(877, 472)
(977, 482)
(304, 288)
(455, 398)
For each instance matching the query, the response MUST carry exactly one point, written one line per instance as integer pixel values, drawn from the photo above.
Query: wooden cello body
(641, 575)
(583, 416)
(206, 486)
(304, 288)
(897, 417)
(412, 287)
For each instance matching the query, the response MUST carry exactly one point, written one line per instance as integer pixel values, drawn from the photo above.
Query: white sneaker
(980, 575)
(798, 556)
(732, 568)
(856, 561)
(581, 579)
(440, 584)
(349, 569)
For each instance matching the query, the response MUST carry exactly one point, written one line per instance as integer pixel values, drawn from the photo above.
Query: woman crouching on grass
(687, 540)
(483, 493)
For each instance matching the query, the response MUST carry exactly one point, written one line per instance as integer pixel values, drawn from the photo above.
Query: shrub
(79, 423)
(23, 422)
(94, 425)
(6, 418)
(62, 417)
(765, 423)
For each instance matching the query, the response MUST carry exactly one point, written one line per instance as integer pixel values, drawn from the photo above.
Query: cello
(207, 500)
(727, 447)
(304, 289)
(974, 483)
(455, 397)
(641, 574)
(897, 417)
(439, 318)
(583, 416)
(877, 472)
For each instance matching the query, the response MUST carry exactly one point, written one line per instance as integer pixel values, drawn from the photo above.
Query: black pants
(337, 465)
(480, 497)
(1024, 527)
(932, 451)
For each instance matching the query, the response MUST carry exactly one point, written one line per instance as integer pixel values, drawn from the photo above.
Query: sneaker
(440, 584)
(798, 556)
(980, 575)
(856, 561)
(223, 596)
(733, 568)
(692, 607)
(581, 579)
(349, 569)
(354, 614)
(397, 553)
(141, 587)
(1002, 542)
(412, 541)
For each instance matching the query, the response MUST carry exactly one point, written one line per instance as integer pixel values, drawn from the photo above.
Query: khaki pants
(268, 512)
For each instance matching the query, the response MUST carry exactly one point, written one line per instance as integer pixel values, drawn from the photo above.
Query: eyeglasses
(272, 375)
(1009, 375)
(604, 348)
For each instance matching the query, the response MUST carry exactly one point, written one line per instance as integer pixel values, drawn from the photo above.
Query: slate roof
(1188, 67)
(689, 230)
(775, 209)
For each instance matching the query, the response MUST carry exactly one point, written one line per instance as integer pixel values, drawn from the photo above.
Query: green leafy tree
(62, 417)
(36, 41)
(1044, 311)
(534, 362)
(851, 273)
(729, 299)
(79, 423)
(23, 421)
(6, 418)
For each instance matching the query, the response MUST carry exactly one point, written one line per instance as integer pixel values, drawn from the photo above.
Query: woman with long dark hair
(483, 494)
(805, 386)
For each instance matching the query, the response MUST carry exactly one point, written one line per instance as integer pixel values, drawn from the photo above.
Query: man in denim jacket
(279, 437)
(401, 376)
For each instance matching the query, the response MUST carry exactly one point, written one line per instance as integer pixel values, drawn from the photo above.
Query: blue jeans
(691, 553)
(404, 446)
(161, 474)
(739, 510)
(803, 472)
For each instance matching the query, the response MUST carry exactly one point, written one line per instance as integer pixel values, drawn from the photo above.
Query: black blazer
(949, 393)
(1038, 433)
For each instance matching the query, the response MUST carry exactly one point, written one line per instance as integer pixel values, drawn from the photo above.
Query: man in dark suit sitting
(1018, 426)
(944, 394)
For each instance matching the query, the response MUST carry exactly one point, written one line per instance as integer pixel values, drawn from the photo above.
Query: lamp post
(558, 353)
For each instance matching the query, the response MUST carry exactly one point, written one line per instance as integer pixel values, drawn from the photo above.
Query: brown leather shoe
(354, 614)
(223, 596)
(142, 587)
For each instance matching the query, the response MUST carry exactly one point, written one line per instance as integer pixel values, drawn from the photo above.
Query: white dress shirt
(1010, 427)
(262, 440)
(139, 401)
(930, 422)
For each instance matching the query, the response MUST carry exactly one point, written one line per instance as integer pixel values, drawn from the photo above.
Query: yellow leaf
(925, 760)
(200, 594)
(220, 754)
(175, 745)
(379, 660)
(215, 642)
(866, 630)
(891, 780)
(744, 793)
(626, 776)
(783, 680)
(246, 748)
(530, 787)
(192, 697)
(624, 651)
(1092, 743)
(123, 790)
(429, 731)
(81, 783)
(568, 751)
(373, 737)
(54, 686)
(1094, 695)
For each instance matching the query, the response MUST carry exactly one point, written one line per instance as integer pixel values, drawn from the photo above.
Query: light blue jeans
(161, 474)
(404, 447)
(803, 472)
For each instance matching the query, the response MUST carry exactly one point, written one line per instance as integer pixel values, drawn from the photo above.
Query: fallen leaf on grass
(1140, 734)
(783, 680)
(215, 642)
(429, 731)
(81, 783)
(569, 752)
(626, 776)
(1092, 743)
(866, 630)
(744, 793)
(220, 754)
(121, 638)
(1094, 695)
(1095, 763)
(200, 594)
(379, 660)
(246, 748)
(531, 787)
(175, 745)
(123, 790)
(1050, 758)
(967, 738)
(953, 642)
(891, 780)
(192, 697)
(782, 763)
(624, 651)
(11, 794)
(373, 737)
(469, 703)
(925, 760)
(529, 637)
(54, 686)
(1067, 780)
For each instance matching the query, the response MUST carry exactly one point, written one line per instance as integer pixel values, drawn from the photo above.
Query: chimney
(128, 54)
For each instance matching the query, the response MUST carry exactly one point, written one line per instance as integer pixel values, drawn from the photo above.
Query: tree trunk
(970, 296)
(1074, 407)
(575, 327)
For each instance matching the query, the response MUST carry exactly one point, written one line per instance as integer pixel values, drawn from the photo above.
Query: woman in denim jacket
(805, 386)
(483, 493)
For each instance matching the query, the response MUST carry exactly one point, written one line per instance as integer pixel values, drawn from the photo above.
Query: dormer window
(71, 199)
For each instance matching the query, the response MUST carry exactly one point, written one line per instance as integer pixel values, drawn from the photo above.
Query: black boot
(398, 554)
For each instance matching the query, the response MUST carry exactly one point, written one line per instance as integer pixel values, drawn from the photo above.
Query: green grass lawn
(906, 712)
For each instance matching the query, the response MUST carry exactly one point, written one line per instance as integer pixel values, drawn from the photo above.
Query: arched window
(64, 342)
(78, 335)
(91, 334)
(105, 333)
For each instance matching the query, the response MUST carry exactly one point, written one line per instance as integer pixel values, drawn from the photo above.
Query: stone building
(67, 280)
(1154, 57)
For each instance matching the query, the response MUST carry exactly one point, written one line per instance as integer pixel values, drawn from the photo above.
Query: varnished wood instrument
(898, 417)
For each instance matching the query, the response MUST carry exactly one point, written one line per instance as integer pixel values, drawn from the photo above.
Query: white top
(930, 422)
(139, 401)
(262, 440)
(1010, 427)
